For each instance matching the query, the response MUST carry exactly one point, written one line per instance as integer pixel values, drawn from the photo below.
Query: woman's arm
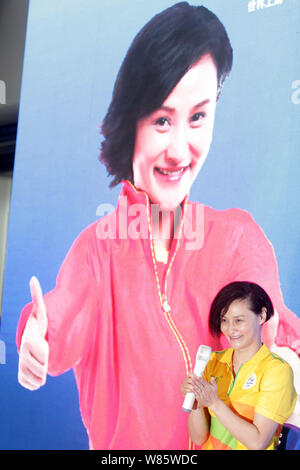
(199, 419)
(198, 423)
(255, 436)
(71, 307)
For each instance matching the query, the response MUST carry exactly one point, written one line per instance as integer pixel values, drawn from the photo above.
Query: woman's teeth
(171, 174)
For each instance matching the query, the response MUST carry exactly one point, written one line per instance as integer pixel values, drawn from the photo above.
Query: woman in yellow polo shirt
(247, 392)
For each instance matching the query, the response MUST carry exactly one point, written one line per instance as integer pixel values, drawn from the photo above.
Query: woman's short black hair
(159, 56)
(239, 290)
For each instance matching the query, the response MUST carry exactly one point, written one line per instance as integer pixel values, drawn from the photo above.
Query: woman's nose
(232, 330)
(229, 327)
(178, 151)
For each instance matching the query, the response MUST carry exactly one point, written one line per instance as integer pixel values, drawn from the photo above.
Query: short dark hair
(159, 56)
(239, 290)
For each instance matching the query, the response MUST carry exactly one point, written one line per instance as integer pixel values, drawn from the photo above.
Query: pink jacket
(130, 342)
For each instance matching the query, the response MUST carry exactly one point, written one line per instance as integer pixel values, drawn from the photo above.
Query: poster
(72, 55)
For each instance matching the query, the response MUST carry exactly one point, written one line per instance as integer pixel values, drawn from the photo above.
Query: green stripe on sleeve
(218, 431)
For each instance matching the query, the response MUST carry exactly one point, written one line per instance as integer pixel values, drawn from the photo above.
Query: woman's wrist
(215, 406)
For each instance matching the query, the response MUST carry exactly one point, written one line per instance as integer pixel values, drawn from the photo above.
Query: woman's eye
(198, 116)
(162, 121)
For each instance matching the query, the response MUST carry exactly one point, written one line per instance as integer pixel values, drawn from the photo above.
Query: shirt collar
(261, 354)
(132, 195)
(258, 356)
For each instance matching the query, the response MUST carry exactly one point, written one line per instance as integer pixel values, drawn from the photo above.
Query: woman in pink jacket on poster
(132, 297)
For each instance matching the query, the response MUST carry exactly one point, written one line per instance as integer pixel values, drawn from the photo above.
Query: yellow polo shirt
(263, 385)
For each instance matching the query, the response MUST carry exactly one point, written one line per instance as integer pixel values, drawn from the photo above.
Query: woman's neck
(164, 225)
(244, 354)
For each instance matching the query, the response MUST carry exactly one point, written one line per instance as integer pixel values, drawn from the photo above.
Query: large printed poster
(73, 53)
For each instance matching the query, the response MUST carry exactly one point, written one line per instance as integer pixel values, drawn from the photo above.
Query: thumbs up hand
(34, 349)
(39, 308)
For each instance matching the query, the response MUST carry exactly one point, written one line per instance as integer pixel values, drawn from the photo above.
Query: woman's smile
(168, 175)
(233, 338)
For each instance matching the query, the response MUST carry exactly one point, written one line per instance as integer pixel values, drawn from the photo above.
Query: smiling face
(172, 143)
(242, 327)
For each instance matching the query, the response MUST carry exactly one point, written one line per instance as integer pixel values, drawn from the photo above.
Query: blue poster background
(72, 55)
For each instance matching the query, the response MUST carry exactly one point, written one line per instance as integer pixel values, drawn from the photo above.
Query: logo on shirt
(218, 378)
(250, 382)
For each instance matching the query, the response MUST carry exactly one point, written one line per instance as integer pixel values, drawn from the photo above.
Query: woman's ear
(263, 315)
